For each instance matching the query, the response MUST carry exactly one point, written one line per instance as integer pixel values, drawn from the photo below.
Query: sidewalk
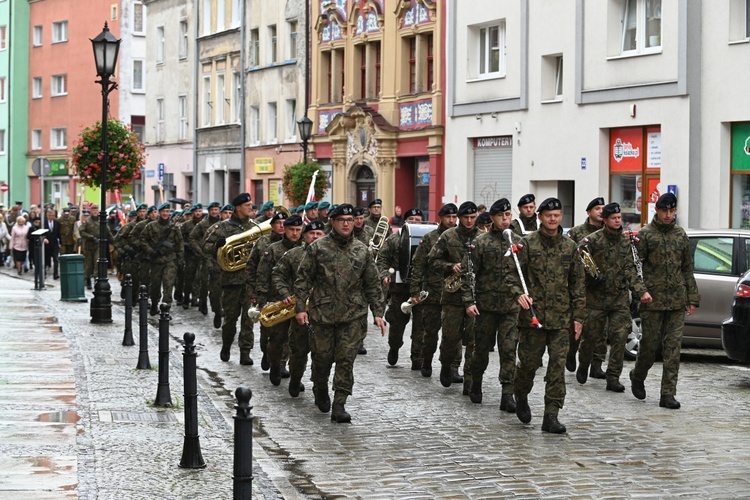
(76, 417)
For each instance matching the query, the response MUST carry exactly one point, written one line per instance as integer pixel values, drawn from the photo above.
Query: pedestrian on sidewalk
(4, 239)
(19, 244)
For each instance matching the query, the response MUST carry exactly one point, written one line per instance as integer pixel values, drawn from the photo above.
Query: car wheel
(634, 340)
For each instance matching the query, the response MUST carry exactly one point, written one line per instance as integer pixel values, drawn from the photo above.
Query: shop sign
(654, 149)
(58, 167)
(625, 146)
(741, 146)
(275, 192)
(503, 141)
(264, 166)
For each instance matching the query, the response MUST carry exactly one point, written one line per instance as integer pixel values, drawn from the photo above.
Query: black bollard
(191, 447)
(163, 398)
(127, 285)
(143, 361)
(243, 445)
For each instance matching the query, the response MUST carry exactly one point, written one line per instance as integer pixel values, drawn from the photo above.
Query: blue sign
(150, 173)
(672, 188)
(161, 172)
(583, 163)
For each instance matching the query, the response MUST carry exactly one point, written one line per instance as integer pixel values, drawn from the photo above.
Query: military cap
(343, 209)
(255, 207)
(448, 209)
(595, 203)
(466, 208)
(132, 213)
(292, 209)
(356, 212)
(142, 206)
(323, 205)
(197, 206)
(86, 212)
(314, 225)
(413, 212)
(376, 201)
(267, 206)
(214, 204)
(611, 209)
(312, 205)
(484, 218)
(188, 211)
(164, 206)
(175, 213)
(667, 200)
(19, 203)
(241, 199)
(228, 207)
(501, 205)
(292, 220)
(279, 216)
(550, 204)
(152, 208)
(300, 209)
(333, 207)
(66, 210)
(526, 199)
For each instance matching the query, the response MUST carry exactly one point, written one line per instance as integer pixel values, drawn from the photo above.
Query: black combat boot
(88, 281)
(178, 297)
(475, 395)
(245, 358)
(284, 372)
(507, 403)
(295, 385)
(322, 400)
(416, 364)
(186, 301)
(154, 309)
(551, 424)
(614, 385)
(668, 401)
(264, 364)
(339, 414)
(570, 359)
(445, 375)
(194, 301)
(456, 378)
(204, 308)
(427, 367)
(225, 352)
(217, 320)
(596, 370)
(275, 374)
(582, 374)
(392, 356)
(523, 412)
(637, 386)
(467, 387)
(362, 349)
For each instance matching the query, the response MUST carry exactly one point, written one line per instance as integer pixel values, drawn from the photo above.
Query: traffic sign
(4, 187)
(41, 166)
(161, 172)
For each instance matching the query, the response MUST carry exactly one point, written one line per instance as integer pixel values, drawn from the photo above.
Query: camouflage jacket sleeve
(196, 238)
(266, 264)
(251, 270)
(307, 273)
(87, 232)
(437, 259)
(121, 240)
(147, 245)
(688, 271)
(213, 235)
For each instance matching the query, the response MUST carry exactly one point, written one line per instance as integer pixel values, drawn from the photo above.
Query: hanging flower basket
(126, 155)
(296, 182)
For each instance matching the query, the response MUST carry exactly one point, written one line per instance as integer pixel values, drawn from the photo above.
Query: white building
(621, 98)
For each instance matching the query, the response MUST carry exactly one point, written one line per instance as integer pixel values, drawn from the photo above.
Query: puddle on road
(70, 417)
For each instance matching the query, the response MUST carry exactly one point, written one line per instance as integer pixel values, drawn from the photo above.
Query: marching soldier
(180, 218)
(90, 232)
(266, 212)
(396, 319)
(607, 296)
(311, 209)
(343, 273)
(234, 300)
(283, 277)
(492, 304)
(136, 241)
(208, 275)
(527, 220)
(226, 211)
(555, 278)
(162, 244)
(323, 208)
(128, 249)
(278, 335)
(67, 232)
(376, 211)
(592, 223)
(362, 231)
(668, 274)
(423, 278)
(446, 258)
(191, 287)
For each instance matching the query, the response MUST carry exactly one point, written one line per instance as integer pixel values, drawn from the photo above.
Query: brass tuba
(381, 233)
(235, 252)
(592, 270)
(278, 312)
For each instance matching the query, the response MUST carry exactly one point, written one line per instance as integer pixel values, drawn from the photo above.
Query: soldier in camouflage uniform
(283, 276)
(668, 273)
(446, 258)
(526, 216)
(90, 232)
(67, 232)
(493, 306)
(259, 249)
(323, 208)
(362, 231)
(163, 246)
(592, 223)
(343, 273)
(226, 211)
(389, 258)
(191, 288)
(423, 278)
(234, 299)
(375, 208)
(607, 296)
(128, 249)
(556, 283)
(266, 212)
(185, 216)
(136, 239)
(208, 274)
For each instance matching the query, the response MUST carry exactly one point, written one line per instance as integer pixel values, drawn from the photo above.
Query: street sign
(41, 166)
(161, 172)
(4, 187)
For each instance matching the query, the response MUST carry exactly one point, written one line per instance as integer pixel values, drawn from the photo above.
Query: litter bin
(71, 278)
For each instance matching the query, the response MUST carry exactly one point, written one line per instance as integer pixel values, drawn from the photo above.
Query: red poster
(626, 149)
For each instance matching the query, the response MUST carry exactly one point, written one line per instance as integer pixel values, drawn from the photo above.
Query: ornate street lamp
(106, 47)
(305, 133)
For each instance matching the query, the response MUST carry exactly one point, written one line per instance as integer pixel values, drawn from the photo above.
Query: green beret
(323, 205)
(188, 211)
(228, 206)
(300, 209)
(376, 201)
(311, 205)
(197, 205)
(267, 206)
(133, 213)
(214, 204)
(292, 209)
(175, 213)
(152, 208)
(164, 205)
(142, 206)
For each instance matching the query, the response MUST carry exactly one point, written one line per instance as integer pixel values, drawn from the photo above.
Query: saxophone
(235, 252)
(381, 233)
(452, 283)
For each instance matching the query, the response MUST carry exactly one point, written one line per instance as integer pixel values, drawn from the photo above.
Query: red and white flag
(310, 196)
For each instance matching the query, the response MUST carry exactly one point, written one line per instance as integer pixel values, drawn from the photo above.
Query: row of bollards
(192, 458)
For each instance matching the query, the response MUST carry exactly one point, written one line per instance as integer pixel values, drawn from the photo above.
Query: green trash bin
(71, 278)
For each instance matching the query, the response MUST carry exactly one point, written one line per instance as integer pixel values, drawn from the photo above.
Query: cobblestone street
(409, 437)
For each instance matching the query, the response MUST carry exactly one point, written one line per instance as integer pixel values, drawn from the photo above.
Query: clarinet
(470, 270)
(636, 259)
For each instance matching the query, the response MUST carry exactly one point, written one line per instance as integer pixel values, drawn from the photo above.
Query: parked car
(720, 257)
(735, 331)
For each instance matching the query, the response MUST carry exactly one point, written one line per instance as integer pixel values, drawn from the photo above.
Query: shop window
(740, 169)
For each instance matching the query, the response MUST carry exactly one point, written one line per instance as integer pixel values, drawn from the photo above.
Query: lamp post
(305, 132)
(106, 46)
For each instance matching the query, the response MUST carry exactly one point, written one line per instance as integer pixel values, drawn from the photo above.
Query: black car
(735, 331)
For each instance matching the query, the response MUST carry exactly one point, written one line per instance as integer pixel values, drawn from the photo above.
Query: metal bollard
(143, 361)
(243, 445)
(127, 285)
(163, 398)
(191, 447)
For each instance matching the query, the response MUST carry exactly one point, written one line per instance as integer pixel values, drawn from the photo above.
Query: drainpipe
(196, 66)
(241, 104)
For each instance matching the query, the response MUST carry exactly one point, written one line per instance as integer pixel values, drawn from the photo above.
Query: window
(254, 48)
(206, 26)
(292, 40)
(58, 138)
(183, 39)
(362, 49)
(3, 89)
(273, 135)
(369, 70)
(237, 98)
(419, 63)
(138, 76)
(160, 44)
(59, 85)
(2, 141)
(430, 63)
(183, 108)
(291, 119)
(747, 18)
(207, 104)
(236, 11)
(36, 140)
(254, 125)
(36, 87)
(713, 254)
(60, 32)
(160, 127)
(413, 65)
(552, 78)
(333, 73)
(38, 36)
(558, 76)
(221, 100)
(274, 43)
(489, 51)
(113, 12)
(138, 20)
(641, 25)
(221, 12)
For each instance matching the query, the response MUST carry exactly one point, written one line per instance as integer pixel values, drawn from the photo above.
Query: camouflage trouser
(457, 325)
(397, 322)
(191, 276)
(595, 333)
(210, 287)
(336, 344)
(198, 281)
(486, 326)
(664, 327)
(277, 348)
(531, 345)
(163, 275)
(600, 349)
(234, 304)
(299, 348)
(180, 281)
(90, 258)
(144, 273)
(130, 266)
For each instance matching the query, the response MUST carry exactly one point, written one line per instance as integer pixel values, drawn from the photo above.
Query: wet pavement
(83, 424)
